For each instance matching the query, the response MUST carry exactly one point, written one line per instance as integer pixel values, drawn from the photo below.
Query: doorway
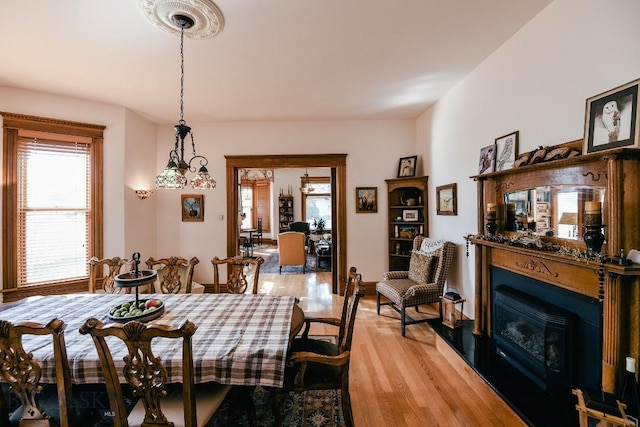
(337, 164)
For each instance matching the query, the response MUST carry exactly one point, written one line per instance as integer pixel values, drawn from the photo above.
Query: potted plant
(318, 224)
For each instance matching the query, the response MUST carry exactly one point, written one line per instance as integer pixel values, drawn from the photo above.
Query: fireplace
(549, 334)
(534, 336)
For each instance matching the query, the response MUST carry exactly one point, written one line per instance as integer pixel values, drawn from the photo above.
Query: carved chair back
(143, 370)
(175, 274)
(23, 374)
(236, 278)
(102, 274)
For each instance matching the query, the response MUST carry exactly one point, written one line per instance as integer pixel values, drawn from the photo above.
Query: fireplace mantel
(616, 286)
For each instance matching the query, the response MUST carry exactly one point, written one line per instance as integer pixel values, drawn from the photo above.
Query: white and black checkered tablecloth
(241, 339)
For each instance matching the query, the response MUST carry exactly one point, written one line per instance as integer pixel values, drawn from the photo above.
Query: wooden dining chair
(23, 375)
(161, 404)
(322, 365)
(348, 290)
(175, 275)
(103, 272)
(236, 278)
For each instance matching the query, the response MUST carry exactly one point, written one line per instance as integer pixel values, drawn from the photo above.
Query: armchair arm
(304, 357)
(415, 289)
(326, 320)
(395, 275)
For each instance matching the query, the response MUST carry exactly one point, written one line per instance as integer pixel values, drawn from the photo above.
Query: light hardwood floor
(394, 381)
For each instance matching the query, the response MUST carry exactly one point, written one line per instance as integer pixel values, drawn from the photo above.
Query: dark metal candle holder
(593, 238)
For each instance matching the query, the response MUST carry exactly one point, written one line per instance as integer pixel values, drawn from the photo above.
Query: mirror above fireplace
(553, 210)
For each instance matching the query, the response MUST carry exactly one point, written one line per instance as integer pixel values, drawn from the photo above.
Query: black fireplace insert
(536, 337)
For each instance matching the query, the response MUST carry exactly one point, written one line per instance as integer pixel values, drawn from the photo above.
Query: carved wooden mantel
(616, 286)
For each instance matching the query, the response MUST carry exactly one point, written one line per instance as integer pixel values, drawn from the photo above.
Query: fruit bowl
(143, 310)
(135, 278)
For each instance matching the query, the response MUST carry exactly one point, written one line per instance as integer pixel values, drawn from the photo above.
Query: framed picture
(446, 202)
(410, 215)
(612, 120)
(366, 199)
(506, 151)
(407, 166)
(192, 207)
(487, 161)
(542, 208)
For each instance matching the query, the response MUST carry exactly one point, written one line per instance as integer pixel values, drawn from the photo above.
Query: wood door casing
(338, 165)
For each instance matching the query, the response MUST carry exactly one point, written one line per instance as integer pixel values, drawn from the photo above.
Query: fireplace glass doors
(535, 336)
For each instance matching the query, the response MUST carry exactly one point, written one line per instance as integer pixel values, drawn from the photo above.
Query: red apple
(153, 303)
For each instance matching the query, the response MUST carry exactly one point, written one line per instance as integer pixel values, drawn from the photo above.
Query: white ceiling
(274, 59)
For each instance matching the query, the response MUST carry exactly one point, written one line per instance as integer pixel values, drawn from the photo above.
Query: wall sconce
(143, 194)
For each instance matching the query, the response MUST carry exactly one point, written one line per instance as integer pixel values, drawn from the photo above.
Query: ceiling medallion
(207, 17)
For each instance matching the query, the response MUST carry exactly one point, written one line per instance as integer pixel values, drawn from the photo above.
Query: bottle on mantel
(630, 389)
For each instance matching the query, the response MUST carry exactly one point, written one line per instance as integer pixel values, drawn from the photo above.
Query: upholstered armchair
(422, 284)
(292, 249)
(302, 227)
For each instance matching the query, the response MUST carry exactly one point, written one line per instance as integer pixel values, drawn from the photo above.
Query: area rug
(309, 409)
(271, 265)
(318, 408)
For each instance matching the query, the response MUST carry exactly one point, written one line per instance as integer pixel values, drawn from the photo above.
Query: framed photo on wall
(366, 199)
(192, 207)
(446, 199)
(506, 151)
(612, 119)
(407, 166)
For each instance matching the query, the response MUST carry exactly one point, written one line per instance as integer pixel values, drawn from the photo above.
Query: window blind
(54, 215)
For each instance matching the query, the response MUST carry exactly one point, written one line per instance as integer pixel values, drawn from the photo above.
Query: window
(255, 202)
(317, 203)
(50, 229)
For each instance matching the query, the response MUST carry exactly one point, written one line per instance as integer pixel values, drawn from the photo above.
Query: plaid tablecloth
(241, 339)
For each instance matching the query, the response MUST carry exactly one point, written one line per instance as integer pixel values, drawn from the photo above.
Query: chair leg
(280, 272)
(402, 319)
(346, 407)
(277, 400)
(378, 302)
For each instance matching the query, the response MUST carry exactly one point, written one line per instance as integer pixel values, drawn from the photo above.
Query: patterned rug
(321, 408)
(271, 265)
(308, 409)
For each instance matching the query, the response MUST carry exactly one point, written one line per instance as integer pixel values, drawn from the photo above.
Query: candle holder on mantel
(592, 223)
(593, 238)
(492, 225)
(511, 223)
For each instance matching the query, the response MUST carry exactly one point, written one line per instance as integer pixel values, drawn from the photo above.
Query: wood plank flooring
(394, 381)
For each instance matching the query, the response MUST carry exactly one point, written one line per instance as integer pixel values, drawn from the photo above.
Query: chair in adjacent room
(23, 374)
(236, 278)
(102, 274)
(302, 227)
(160, 404)
(257, 235)
(175, 275)
(292, 250)
(422, 284)
(322, 365)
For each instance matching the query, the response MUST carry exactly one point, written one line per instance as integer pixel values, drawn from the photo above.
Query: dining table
(241, 339)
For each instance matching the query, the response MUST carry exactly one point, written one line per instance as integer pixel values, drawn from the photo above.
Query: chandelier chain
(182, 74)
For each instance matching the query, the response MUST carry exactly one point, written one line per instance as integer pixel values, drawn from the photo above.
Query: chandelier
(306, 187)
(173, 176)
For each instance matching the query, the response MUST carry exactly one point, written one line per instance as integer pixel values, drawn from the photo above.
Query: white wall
(140, 169)
(537, 83)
